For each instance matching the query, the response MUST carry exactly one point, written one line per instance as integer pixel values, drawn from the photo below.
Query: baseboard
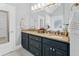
(17, 47)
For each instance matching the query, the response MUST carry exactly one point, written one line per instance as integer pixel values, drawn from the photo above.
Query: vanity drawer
(35, 37)
(34, 43)
(24, 35)
(58, 44)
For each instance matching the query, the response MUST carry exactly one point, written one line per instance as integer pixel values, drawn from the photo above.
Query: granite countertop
(48, 35)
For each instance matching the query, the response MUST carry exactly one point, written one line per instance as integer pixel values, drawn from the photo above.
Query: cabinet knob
(53, 49)
(50, 48)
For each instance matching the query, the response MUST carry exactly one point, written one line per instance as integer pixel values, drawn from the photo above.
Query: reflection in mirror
(57, 19)
(4, 27)
(57, 23)
(42, 20)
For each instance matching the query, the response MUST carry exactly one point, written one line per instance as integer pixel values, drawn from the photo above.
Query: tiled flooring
(19, 52)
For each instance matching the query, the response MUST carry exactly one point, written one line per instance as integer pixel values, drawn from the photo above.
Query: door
(10, 45)
(48, 50)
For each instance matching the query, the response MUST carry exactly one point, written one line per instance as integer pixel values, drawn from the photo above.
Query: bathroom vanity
(43, 44)
(52, 18)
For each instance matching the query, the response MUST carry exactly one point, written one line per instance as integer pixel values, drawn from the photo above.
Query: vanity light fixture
(41, 5)
(35, 7)
(32, 7)
(44, 4)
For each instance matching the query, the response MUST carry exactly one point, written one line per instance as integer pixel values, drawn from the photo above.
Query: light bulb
(39, 5)
(35, 7)
(32, 8)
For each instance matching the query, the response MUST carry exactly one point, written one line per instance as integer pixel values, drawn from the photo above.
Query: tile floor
(19, 52)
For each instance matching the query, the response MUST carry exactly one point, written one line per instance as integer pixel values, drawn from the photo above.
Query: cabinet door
(35, 43)
(34, 51)
(35, 46)
(48, 50)
(58, 48)
(59, 52)
(24, 40)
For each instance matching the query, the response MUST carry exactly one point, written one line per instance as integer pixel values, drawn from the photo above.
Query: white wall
(74, 32)
(22, 12)
(17, 11)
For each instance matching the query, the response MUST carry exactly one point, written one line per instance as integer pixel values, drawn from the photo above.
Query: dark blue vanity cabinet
(55, 48)
(35, 45)
(41, 46)
(48, 50)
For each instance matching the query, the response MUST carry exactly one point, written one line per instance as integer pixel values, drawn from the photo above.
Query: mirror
(56, 18)
(4, 27)
(57, 23)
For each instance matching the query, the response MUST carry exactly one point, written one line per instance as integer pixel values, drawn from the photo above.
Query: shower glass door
(4, 27)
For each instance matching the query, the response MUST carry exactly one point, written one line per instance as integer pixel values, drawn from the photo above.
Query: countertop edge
(39, 34)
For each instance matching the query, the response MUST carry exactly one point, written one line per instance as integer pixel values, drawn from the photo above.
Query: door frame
(7, 47)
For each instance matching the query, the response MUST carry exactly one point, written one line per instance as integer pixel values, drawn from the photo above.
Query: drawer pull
(50, 48)
(53, 49)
